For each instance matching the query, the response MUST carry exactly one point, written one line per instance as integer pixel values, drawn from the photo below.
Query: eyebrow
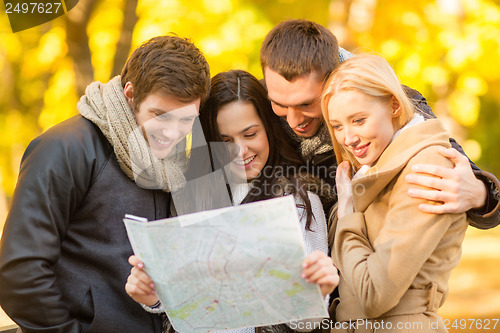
(307, 102)
(357, 114)
(162, 112)
(158, 110)
(244, 130)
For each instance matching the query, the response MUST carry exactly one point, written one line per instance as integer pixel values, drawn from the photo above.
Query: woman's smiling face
(239, 123)
(362, 124)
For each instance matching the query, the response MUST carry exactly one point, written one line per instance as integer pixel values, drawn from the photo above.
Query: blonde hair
(371, 75)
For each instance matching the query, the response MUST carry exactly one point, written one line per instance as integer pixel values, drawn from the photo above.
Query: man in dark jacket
(64, 250)
(296, 58)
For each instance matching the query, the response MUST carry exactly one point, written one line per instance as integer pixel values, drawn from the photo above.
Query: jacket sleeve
(379, 271)
(488, 216)
(54, 176)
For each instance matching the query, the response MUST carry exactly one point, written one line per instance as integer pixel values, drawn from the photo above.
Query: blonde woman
(394, 260)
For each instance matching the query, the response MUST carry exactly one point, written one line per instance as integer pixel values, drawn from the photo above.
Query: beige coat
(395, 260)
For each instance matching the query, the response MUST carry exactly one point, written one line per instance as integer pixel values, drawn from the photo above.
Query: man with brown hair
(296, 58)
(64, 251)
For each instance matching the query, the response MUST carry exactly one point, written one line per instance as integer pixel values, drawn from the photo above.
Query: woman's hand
(139, 285)
(319, 269)
(344, 190)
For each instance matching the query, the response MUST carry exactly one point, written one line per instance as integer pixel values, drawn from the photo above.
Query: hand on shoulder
(456, 189)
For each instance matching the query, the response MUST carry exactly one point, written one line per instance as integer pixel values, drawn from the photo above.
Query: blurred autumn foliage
(449, 50)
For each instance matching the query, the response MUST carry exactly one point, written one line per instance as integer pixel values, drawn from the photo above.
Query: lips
(360, 150)
(245, 161)
(162, 143)
(304, 126)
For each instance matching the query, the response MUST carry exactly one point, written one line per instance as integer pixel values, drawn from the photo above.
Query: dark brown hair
(283, 162)
(298, 47)
(169, 65)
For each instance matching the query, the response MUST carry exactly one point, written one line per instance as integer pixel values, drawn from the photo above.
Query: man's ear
(128, 91)
(395, 107)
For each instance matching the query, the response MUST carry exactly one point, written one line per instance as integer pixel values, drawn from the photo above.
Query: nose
(350, 137)
(294, 117)
(243, 148)
(171, 131)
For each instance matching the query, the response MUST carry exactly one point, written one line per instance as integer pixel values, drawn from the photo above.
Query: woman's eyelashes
(359, 121)
(336, 126)
(246, 136)
(339, 127)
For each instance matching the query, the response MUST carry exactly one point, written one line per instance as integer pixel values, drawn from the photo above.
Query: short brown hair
(298, 47)
(168, 65)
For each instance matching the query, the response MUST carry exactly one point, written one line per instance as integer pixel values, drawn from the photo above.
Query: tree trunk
(125, 41)
(78, 43)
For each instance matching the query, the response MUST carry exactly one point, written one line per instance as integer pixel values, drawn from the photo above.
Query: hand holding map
(229, 268)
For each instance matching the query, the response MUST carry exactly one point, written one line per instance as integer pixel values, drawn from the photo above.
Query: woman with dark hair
(238, 97)
(238, 112)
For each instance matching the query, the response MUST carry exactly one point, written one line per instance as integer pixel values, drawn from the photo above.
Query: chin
(366, 161)
(251, 176)
(304, 135)
(161, 154)
(237, 175)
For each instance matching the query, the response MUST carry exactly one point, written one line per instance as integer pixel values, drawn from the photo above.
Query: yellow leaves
(16, 130)
(15, 125)
(487, 11)
(472, 83)
(411, 66)
(447, 49)
(146, 7)
(228, 41)
(488, 66)
(218, 7)
(12, 46)
(163, 17)
(411, 19)
(211, 46)
(41, 59)
(448, 38)
(464, 107)
(464, 103)
(60, 99)
(437, 76)
(473, 149)
(235, 42)
(241, 29)
(52, 46)
(462, 53)
(145, 31)
(361, 15)
(32, 91)
(104, 31)
(390, 48)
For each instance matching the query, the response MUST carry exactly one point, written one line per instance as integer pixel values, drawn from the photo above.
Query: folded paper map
(229, 268)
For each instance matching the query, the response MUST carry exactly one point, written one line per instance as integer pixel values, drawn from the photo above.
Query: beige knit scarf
(320, 143)
(105, 105)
